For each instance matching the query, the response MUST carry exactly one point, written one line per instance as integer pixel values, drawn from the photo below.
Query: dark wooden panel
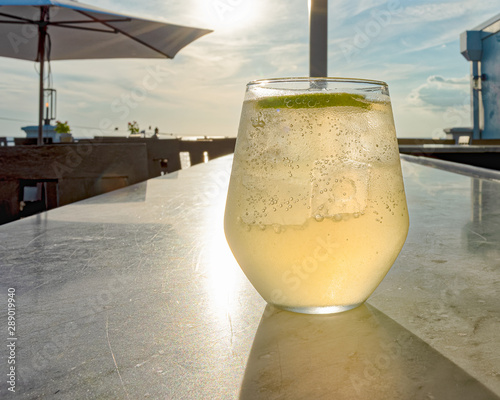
(9, 201)
(83, 160)
(71, 190)
(405, 141)
(162, 154)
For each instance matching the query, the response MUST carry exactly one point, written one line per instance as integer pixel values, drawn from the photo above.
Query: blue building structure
(481, 46)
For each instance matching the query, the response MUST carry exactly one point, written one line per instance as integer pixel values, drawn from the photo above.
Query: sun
(230, 15)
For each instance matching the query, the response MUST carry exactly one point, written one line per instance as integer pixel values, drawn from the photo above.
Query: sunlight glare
(229, 15)
(224, 278)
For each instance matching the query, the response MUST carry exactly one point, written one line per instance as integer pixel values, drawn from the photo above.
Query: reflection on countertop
(483, 233)
(359, 354)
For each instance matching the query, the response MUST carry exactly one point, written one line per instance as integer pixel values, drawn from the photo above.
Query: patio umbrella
(68, 30)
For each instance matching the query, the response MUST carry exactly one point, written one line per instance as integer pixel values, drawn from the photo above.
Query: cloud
(425, 25)
(441, 93)
(347, 9)
(289, 59)
(436, 11)
(201, 90)
(449, 81)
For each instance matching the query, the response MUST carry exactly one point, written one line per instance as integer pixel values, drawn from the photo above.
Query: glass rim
(262, 82)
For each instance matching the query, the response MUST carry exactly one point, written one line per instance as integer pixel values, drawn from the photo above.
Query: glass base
(319, 310)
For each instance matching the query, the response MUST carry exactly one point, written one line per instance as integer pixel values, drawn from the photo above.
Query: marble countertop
(134, 294)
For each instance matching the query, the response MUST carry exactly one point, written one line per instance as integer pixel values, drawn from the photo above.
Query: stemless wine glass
(316, 210)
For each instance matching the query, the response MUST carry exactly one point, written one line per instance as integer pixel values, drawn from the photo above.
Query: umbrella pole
(318, 38)
(40, 107)
(42, 34)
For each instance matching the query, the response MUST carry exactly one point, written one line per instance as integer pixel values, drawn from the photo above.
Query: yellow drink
(316, 212)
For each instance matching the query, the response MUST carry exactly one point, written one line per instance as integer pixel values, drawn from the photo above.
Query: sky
(413, 45)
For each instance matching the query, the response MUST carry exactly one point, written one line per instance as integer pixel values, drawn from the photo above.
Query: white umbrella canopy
(68, 30)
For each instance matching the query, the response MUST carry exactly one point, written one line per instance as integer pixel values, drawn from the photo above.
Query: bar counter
(135, 294)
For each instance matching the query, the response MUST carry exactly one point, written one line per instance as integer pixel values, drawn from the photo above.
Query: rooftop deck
(134, 294)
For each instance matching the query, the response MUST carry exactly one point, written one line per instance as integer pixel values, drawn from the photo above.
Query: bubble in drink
(327, 167)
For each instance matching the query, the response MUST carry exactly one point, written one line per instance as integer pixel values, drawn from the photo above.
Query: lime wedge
(315, 100)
